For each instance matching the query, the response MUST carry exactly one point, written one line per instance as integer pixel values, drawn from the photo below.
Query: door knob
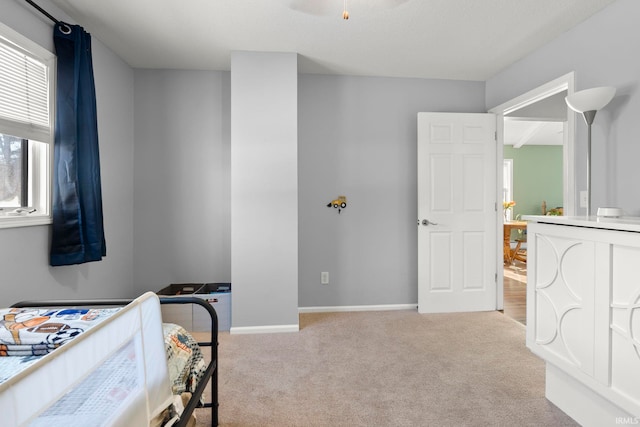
(427, 222)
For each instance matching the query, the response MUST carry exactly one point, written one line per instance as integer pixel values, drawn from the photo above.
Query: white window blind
(24, 94)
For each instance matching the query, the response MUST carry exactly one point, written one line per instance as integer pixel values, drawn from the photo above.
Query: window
(26, 130)
(507, 187)
(14, 157)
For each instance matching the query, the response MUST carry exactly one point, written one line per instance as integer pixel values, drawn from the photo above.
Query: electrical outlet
(324, 278)
(583, 199)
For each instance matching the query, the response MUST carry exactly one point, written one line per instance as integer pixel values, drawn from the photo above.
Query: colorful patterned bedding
(9, 366)
(27, 334)
(184, 358)
(38, 331)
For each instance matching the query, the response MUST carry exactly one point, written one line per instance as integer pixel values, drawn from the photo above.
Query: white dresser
(583, 315)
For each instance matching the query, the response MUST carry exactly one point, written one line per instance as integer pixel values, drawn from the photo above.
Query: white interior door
(457, 212)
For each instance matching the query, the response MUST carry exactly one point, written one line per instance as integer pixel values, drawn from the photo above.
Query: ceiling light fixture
(345, 12)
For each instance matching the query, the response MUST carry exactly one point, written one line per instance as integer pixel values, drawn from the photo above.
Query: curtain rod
(65, 28)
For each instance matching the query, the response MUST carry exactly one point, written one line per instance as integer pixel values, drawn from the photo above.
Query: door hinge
(495, 136)
(495, 278)
(495, 207)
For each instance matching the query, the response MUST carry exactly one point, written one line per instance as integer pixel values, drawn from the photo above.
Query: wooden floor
(515, 292)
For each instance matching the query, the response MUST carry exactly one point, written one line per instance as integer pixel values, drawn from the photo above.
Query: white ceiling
(540, 123)
(519, 133)
(443, 39)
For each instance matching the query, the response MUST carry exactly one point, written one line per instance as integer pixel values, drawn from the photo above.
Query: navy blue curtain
(78, 231)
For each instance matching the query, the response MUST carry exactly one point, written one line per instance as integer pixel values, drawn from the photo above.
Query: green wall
(537, 176)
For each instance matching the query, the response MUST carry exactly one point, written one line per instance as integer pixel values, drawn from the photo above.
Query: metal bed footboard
(212, 369)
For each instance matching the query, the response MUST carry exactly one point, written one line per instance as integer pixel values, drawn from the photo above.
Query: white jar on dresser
(583, 314)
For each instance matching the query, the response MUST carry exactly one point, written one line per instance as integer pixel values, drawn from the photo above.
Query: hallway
(515, 291)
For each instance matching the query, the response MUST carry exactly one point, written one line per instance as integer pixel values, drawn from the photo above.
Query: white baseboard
(341, 308)
(273, 329)
(581, 403)
(237, 330)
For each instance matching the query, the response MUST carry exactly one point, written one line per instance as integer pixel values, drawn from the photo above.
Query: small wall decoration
(339, 203)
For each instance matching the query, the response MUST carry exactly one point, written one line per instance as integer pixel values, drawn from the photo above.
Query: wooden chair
(519, 252)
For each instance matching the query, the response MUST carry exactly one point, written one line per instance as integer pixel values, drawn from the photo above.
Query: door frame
(562, 83)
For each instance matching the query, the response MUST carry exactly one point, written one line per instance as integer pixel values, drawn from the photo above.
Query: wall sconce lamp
(588, 102)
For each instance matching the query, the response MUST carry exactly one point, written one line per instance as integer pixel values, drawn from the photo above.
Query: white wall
(358, 138)
(182, 178)
(264, 189)
(24, 252)
(603, 51)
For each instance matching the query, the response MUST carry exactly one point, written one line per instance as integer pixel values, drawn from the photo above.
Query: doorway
(538, 115)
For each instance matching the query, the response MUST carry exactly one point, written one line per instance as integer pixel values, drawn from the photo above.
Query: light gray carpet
(393, 368)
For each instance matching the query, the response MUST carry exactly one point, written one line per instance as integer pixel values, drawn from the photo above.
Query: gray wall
(26, 273)
(603, 51)
(182, 178)
(264, 189)
(357, 137)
